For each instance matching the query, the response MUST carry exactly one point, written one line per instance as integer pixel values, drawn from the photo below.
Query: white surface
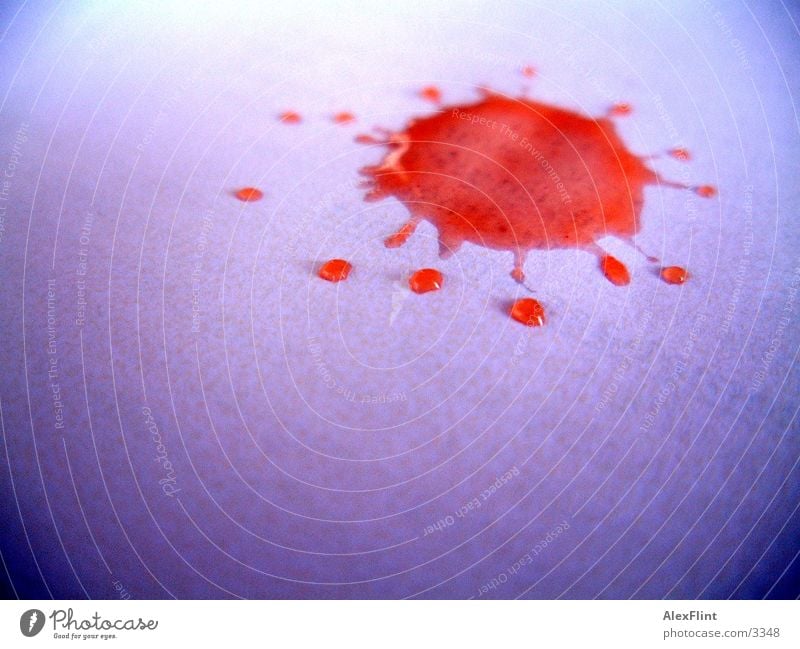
(154, 113)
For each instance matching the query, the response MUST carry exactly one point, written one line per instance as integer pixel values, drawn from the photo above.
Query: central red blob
(514, 174)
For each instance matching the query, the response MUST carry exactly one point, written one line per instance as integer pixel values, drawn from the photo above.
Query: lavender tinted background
(650, 431)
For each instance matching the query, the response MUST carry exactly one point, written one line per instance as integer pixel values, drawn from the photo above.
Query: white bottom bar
(389, 624)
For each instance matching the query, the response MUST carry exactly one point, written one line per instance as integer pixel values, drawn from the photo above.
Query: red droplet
(344, 118)
(529, 312)
(621, 109)
(706, 191)
(674, 274)
(335, 270)
(614, 270)
(680, 153)
(364, 138)
(528, 71)
(398, 238)
(290, 117)
(511, 174)
(431, 93)
(425, 280)
(249, 194)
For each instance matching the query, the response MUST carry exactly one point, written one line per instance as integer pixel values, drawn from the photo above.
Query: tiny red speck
(445, 171)
(680, 153)
(344, 118)
(431, 93)
(621, 109)
(425, 280)
(364, 138)
(290, 117)
(249, 194)
(529, 312)
(706, 191)
(335, 270)
(528, 71)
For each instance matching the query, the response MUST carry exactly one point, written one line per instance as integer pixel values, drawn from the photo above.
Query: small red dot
(431, 93)
(680, 153)
(706, 191)
(528, 71)
(425, 280)
(249, 194)
(621, 109)
(364, 138)
(344, 118)
(529, 312)
(674, 274)
(290, 117)
(335, 270)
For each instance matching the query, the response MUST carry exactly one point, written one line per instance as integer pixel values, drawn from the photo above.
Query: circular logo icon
(31, 622)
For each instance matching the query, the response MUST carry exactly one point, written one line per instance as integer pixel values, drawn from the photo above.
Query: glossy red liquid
(706, 191)
(614, 270)
(425, 280)
(529, 312)
(513, 174)
(249, 194)
(335, 270)
(674, 274)
(517, 174)
(621, 109)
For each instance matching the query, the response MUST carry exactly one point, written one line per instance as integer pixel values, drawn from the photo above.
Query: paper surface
(232, 426)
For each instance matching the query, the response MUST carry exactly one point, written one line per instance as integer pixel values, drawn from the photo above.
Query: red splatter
(249, 194)
(529, 71)
(290, 117)
(516, 174)
(513, 174)
(425, 280)
(528, 311)
(344, 118)
(335, 270)
(674, 274)
(431, 93)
